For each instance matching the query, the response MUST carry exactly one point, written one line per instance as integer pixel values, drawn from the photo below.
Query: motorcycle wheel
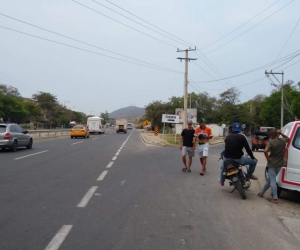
(241, 190)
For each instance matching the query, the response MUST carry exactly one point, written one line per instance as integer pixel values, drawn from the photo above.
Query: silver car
(13, 136)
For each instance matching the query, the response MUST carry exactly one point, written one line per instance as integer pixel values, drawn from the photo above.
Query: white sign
(191, 114)
(223, 125)
(244, 126)
(170, 118)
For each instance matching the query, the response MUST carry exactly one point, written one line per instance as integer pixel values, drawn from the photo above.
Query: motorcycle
(236, 176)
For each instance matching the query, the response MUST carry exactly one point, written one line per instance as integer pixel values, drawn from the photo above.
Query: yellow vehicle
(79, 131)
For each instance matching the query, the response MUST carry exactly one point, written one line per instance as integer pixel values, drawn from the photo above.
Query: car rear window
(2, 129)
(78, 127)
(296, 140)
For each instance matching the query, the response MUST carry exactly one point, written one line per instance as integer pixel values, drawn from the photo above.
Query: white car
(289, 175)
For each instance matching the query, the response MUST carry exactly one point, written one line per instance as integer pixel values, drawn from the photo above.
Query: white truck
(95, 124)
(121, 125)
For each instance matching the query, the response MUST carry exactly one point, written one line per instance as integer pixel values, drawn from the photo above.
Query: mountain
(131, 111)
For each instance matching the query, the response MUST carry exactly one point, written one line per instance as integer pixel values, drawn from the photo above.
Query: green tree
(12, 109)
(105, 116)
(9, 90)
(155, 110)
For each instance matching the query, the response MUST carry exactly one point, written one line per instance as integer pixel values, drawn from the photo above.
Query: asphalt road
(113, 191)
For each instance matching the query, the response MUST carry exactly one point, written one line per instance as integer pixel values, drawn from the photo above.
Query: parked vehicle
(289, 176)
(121, 125)
(13, 136)
(259, 140)
(95, 124)
(79, 131)
(236, 176)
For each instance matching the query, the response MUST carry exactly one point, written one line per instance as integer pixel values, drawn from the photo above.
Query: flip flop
(260, 195)
(272, 200)
(201, 173)
(188, 170)
(184, 169)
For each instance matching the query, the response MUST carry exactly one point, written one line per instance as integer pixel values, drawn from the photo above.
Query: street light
(277, 73)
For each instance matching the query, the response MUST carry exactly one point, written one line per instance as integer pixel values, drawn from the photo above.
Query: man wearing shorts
(203, 133)
(187, 146)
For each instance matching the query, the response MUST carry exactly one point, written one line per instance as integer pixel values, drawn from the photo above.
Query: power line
(249, 28)
(139, 23)
(125, 24)
(291, 65)
(259, 68)
(240, 26)
(76, 40)
(288, 39)
(89, 51)
(148, 22)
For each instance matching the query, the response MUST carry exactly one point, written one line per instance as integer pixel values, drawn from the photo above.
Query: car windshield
(2, 129)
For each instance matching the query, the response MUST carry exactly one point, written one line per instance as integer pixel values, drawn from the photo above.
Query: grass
(175, 139)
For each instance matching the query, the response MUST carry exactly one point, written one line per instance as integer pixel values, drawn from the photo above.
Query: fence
(49, 133)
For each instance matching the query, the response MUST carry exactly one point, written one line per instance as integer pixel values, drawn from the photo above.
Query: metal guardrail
(48, 133)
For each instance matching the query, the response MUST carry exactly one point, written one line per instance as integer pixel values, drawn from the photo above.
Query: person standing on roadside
(204, 134)
(187, 146)
(276, 148)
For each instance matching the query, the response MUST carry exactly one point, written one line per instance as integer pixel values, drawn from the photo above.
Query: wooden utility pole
(187, 59)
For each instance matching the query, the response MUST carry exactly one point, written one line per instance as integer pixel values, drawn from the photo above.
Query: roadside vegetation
(262, 110)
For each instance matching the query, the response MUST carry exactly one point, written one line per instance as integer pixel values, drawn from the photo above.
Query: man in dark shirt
(187, 146)
(234, 144)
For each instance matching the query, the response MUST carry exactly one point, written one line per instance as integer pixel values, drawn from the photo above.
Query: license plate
(232, 172)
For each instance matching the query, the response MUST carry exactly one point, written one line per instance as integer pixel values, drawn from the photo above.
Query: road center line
(31, 155)
(102, 175)
(118, 152)
(110, 164)
(122, 182)
(59, 237)
(95, 138)
(76, 142)
(114, 158)
(87, 197)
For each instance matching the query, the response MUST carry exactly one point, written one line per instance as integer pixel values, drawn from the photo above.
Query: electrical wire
(249, 28)
(89, 51)
(291, 65)
(287, 39)
(239, 26)
(148, 22)
(125, 24)
(139, 23)
(259, 68)
(76, 40)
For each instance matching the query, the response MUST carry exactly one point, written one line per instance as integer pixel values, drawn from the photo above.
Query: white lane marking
(76, 142)
(95, 138)
(87, 197)
(110, 164)
(31, 155)
(118, 152)
(114, 158)
(59, 237)
(102, 175)
(122, 182)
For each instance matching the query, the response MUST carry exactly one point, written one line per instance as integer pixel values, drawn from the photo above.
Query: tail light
(82, 130)
(72, 130)
(285, 157)
(87, 127)
(99, 126)
(7, 136)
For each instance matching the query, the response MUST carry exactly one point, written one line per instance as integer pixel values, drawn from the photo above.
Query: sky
(109, 61)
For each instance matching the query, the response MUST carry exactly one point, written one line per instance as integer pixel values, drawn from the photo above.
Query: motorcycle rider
(234, 144)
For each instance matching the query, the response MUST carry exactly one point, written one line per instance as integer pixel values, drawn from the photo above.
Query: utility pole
(278, 73)
(187, 59)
